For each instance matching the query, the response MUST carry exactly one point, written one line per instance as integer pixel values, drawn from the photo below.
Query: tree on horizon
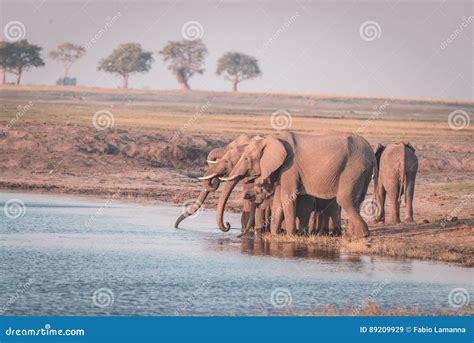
(237, 67)
(18, 57)
(185, 59)
(127, 59)
(67, 53)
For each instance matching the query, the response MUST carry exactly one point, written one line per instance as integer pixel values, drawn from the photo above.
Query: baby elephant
(397, 167)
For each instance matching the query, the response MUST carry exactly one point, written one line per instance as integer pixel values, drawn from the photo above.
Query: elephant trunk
(229, 187)
(211, 185)
(202, 197)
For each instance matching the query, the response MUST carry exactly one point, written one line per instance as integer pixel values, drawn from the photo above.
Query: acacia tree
(185, 59)
(6, 63)
(127, 59)
(19, 56)
(67, 53)
(237, 67)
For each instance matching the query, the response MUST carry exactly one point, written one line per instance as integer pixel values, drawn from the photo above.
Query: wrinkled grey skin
(221, 168)
(398, 166)
(324, 166)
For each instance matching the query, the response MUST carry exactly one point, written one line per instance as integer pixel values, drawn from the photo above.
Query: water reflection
(260, 247)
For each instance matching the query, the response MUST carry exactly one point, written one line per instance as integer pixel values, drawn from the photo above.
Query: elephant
(325, 209)
(310, 211)
(335, 165)
(219, 166)
(397, 168)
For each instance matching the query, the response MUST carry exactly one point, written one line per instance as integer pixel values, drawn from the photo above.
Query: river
(66, 255)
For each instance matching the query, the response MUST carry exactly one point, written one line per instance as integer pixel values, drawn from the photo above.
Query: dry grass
(221, 123)
(452, 243)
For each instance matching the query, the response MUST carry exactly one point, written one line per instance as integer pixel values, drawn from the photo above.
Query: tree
(127, 59)
(237, 67)
(67, 53)
(5, 59)
(19, 56)
(186, 59)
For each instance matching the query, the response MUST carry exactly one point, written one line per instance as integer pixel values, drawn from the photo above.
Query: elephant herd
(298, 182)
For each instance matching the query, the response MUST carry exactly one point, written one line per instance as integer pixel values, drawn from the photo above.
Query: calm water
(63, 250)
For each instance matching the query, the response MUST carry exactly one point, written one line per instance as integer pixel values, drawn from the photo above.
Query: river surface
(80, 256)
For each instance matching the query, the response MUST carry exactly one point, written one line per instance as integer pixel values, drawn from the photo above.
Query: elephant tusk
(230, 178)
(207, 177)
(211, 162)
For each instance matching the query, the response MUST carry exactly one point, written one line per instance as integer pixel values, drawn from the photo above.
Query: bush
(66, 81)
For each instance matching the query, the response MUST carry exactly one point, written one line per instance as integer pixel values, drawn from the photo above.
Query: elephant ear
(409, 146)
(273, 156)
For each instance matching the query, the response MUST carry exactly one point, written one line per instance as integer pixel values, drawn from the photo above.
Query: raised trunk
(202, 197)
(125, 81)
(229, 187)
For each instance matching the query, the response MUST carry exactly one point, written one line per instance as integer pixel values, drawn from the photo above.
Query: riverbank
(451, 241)
(154, 146)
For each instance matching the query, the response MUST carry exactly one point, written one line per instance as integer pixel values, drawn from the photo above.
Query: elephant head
(218, 165)
(259, 160)
(259, 193)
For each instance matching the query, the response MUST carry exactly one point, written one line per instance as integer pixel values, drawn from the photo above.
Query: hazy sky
(302, 46)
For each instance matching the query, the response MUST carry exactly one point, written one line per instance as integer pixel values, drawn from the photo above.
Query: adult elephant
(397, 170)
(217, 166)
(324, 166)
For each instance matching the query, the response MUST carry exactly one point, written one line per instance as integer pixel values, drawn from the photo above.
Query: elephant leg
(410, 192)
(380, 195)
(244, 220)
(304, 207)
(358, 226)
(268, 218)
(312, 223)
(335, 214)
(318, 222)
(259, 220)
(277, 211)
(394, 203)
(324, 231)
(289, 211)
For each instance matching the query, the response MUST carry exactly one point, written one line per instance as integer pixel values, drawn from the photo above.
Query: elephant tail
(403, 173)
(375, 176)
